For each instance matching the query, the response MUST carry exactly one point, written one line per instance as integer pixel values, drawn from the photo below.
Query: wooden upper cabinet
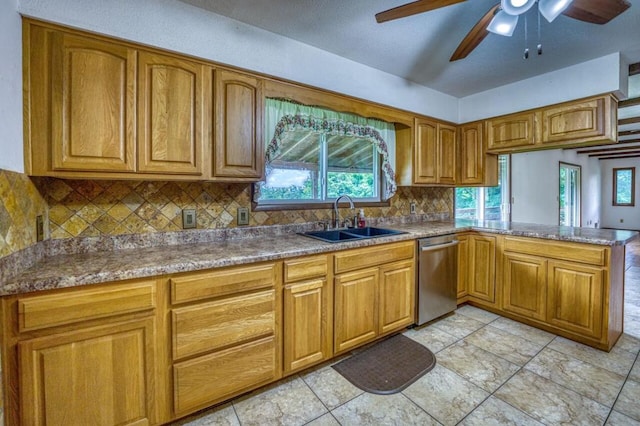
(571, 124)
(426, 151)
(446, 154)
(574, 121)
(238, 142)
(511, 131)
(92, 104)
(170, 115)
(434, 153)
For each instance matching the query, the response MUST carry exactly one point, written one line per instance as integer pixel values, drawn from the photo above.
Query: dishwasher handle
(439, 246)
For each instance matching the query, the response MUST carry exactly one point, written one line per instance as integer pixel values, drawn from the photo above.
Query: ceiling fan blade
(475, 36)
(413, 8)
(596, 11)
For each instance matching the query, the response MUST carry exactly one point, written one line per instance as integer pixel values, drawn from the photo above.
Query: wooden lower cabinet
(307, 312)
(356, 316)
(463, 266)
(575, 298)
(81, 356)
(212, 378)
(481, 274)
(224, 333)
(307, 337)
(524, 285)
(396, 305)
(96, 376)
(571, 289)
(371, 301)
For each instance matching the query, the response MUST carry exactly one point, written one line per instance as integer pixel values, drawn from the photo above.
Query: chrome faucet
(336, 213)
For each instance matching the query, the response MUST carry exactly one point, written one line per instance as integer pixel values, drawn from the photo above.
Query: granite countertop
(75, 269)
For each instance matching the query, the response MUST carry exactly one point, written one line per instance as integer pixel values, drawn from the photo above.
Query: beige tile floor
(490, 371)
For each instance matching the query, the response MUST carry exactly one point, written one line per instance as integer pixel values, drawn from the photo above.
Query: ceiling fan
(503, 17)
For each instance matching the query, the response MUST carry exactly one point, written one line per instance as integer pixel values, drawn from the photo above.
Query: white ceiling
(418, 47)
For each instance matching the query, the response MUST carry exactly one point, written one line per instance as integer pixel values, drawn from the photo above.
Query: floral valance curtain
(283, 116)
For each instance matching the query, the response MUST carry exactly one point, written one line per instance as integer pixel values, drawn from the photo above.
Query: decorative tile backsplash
(84, 208)
(20, 203)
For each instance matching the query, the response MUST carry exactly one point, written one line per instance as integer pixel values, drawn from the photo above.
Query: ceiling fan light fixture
(516, 7)
(551, 9)
(503, 24)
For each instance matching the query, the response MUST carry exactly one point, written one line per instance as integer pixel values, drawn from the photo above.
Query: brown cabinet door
(97, 376)
(574, 121)
(170, 115)
(425, 152)
(463, 265)
(396, 305)
(525, 285)
(471, 154)
(510, 131)
(575, 298)
(92, 105)
(306, 334)
(482, 261)
(238, 145)
(446, 170)
(356, 312)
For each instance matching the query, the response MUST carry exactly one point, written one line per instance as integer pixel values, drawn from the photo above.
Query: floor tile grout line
(622, 387)
(520, 368)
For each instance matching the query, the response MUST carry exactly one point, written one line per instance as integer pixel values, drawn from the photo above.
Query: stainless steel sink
(350, 234)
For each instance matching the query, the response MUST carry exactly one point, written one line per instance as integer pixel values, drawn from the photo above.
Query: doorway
(569, 198)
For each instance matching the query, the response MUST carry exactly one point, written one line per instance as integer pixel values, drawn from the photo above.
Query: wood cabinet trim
(360, 258)
(39, 311)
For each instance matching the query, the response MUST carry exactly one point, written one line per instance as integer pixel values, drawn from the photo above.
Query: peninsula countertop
(92, 267)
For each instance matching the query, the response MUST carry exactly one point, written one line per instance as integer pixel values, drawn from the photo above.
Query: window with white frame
(315, 155)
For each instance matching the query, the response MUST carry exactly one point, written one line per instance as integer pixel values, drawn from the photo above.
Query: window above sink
(313, 155)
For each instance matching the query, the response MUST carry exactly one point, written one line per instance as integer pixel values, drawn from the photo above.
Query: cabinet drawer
(373, 256)
(213, 325)
(305, 268)
(206, 380)
(576, 252)
(74, 305)
(222, 282)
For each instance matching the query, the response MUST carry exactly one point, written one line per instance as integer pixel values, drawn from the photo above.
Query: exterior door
(569, 195)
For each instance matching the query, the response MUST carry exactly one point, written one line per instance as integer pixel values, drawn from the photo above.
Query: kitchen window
(314, 155)
(487, 203)
(624, 186)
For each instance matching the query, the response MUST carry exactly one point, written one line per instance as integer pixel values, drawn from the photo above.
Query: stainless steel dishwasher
(437, 277)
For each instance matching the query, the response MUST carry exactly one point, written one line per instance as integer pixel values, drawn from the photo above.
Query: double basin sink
(351, 234)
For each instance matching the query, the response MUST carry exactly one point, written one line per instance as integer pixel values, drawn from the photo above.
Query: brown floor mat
(389, 366)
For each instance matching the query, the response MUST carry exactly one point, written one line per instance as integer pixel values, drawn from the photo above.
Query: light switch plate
(243, 216)
(412, 208)
(189, 218)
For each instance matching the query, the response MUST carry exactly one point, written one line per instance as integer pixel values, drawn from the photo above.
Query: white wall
(535, 184)
(611, 215)
(589, 78)
(181, 27)
(11, 154)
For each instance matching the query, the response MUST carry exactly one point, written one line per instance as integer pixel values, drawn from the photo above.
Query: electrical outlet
(242, 216)
(39, 228)
(621, 220)
(189, 218)
(412, 208)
